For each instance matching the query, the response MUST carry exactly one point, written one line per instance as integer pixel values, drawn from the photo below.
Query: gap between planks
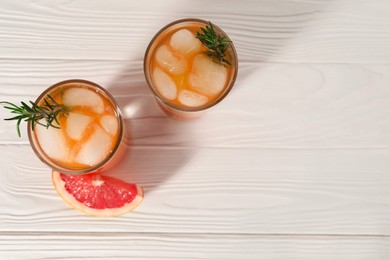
(239, 61)
(219, 147)
(192, 234)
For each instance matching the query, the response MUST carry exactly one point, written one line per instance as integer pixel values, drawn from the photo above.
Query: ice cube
(76, 124)
(207, 76)
(164, 84)
(109, 124)
(83, 97)
(172, 62)
(185, 42)
(53, 142)
(192, 99)
(95, 149)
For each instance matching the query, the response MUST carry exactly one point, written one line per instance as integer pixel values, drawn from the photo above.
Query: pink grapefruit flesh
(96, 194)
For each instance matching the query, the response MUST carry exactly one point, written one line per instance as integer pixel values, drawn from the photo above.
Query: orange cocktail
(181, 71)
(90, 134)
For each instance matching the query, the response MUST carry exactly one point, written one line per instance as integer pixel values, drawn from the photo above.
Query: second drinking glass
(190, 65)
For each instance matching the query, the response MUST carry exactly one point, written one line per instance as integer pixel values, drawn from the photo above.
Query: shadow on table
(268, 31)
(158, 146)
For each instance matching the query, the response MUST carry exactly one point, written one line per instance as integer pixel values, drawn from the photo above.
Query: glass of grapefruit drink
(190, 65)
(76, 128)
(88, 138)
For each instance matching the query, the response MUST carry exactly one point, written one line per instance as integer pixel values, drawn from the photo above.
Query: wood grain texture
(187, 246)
(293, 164)
(278, 31)
(260, 191)
(271, 105)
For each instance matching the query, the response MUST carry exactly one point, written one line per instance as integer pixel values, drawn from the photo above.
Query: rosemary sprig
(215, 43)
(49, 111)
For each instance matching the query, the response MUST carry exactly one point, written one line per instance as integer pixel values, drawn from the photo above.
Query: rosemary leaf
(50, 111)
(215, 43)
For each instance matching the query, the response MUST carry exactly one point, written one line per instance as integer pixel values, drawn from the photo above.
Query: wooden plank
(278, 31)
(271, 105)
(190, 246)
(190, 190)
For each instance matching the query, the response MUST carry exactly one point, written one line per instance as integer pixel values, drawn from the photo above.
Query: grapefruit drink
(190, 65)
(87, 137)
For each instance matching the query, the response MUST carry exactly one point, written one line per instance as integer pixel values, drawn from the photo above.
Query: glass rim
(189, 109)
(63, 169)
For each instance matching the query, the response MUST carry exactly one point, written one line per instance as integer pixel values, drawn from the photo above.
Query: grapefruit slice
(96, 194)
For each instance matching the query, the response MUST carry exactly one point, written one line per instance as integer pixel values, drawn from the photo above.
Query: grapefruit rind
(59, 185)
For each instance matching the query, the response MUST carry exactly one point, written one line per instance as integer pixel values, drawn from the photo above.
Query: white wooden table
(293, 164)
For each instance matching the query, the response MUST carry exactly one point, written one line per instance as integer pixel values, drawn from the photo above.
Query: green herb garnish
(216, 44)
(49, 111)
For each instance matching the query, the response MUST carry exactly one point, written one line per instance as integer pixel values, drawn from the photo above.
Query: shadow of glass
(158, 146)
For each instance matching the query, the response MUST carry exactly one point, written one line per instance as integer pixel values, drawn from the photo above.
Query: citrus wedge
(96, 194)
